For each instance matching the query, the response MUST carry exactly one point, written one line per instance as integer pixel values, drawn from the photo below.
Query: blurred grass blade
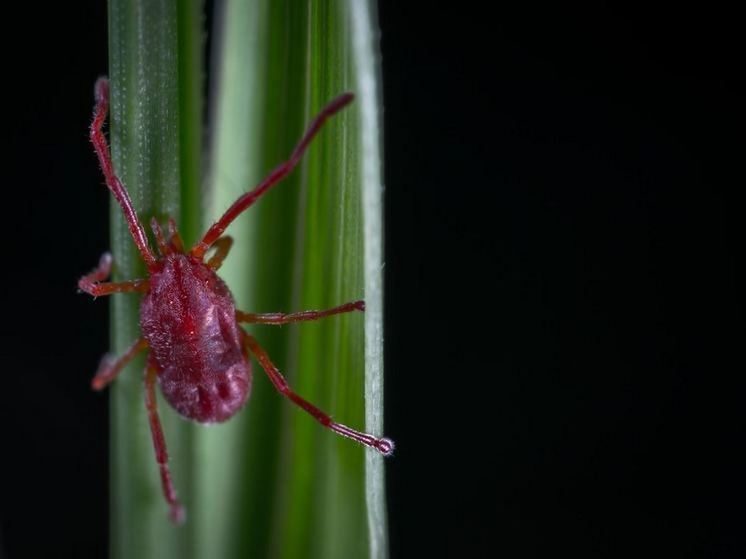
(155, 74)
(272, 482)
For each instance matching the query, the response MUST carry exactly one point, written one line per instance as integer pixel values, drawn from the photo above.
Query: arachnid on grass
(198, 353)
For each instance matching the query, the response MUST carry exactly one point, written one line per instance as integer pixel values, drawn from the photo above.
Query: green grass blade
(277, 483)
(191, 42)
(153, 129)
(368, 79)
(272, 482)
(230, 487)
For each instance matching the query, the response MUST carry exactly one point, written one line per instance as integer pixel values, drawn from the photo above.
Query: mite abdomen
(212, 400)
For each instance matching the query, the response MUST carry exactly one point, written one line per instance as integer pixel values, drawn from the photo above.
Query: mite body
(188, 320)
(197, 352)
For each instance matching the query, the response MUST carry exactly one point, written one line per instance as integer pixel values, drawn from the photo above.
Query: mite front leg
(245, 201)
(91, 283)
(280, 318)
(383, 445)
(101, 109)
(177, 244)
(110, 367)
(160, 240)
(176, 510)
(222, 248)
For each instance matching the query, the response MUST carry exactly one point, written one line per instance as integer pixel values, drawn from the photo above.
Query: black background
(564, 327)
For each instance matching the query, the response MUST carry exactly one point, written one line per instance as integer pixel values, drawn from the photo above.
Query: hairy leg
(383, 445)
(160, 240)
(177, 245)
(222, 248)
(110, 366)
(176, 510)
(280, 318)
(114, 183)
(280, 172)
(91, 283)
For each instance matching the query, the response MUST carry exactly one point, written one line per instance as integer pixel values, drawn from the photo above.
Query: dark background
(564, 328)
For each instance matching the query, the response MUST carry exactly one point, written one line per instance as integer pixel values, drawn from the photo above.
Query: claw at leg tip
(177, 514)
(385, 446)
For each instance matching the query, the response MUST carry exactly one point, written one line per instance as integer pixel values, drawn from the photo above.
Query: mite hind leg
(176, 510)
(111, 366)
(280, 318)
(383, 445)
(92, 283)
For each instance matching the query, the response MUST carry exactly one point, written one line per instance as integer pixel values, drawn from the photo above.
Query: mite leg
(280, 318)
(177, 244)
(110, 366)
(160, 240)
(222, 248)
(91, 283)
(112, 180)
(176, 510)
(280, 172)
(383, 445)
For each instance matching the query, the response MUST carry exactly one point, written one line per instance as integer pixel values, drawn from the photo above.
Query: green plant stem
(150, 133)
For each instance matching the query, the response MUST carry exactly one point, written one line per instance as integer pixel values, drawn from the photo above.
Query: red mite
(198, 353)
